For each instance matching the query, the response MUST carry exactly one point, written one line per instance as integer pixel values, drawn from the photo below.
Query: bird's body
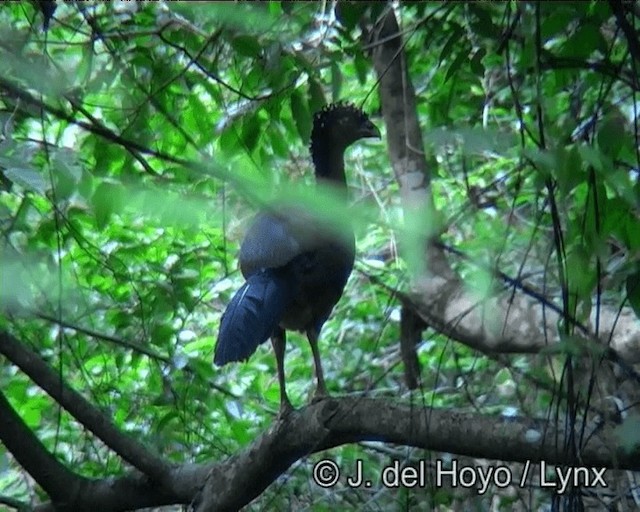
(296, 265)
(318, 261)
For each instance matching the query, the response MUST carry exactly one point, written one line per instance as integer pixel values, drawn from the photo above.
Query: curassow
(295, 265)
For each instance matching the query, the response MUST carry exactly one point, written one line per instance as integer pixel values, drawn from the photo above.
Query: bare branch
(130, 345)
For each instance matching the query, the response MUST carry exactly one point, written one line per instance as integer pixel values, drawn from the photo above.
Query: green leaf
(557, 22)
(199, 121)
(229, 140)
(348, 13)
(611, 134)
(275, 8)
(301, 115)
(336, 81)
(476, 62)
(278, 142)
(586, 39)
(317, 99)
(482, 22)
(633, 291)
(254, 18)
(64, 185)
(161, 334)
(287, 7)
(66, 173)
(107, 199)
(165, 420)
(581, 277)
(246, 45)
(28, 178)
(85, 186)
(569, 169)
(453, 40)
(461, 58)
(592, 157)
(361, 63)
(251, 132)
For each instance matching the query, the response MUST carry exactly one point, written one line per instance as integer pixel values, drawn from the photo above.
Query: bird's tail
(252, 315)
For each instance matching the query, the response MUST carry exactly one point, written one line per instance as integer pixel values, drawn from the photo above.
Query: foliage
(137, 139)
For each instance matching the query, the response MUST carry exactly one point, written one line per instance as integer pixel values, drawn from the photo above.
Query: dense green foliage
(137, 139)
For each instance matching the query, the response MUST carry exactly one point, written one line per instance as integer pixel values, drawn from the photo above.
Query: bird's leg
(321, 389)
(279, 342)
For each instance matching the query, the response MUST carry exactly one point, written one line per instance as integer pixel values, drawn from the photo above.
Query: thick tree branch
(407, 155)
(333, 422)
(130, 492)
(86, 413)
(53, 476)
(507, 322)
(234, 482)
(404, 136)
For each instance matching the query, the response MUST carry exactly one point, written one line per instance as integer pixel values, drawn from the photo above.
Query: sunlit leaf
(27, 178)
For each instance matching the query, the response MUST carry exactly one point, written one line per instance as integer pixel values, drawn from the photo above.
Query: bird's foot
(285, 409)
(319, 395)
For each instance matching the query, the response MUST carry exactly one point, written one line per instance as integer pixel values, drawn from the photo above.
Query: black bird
(295, 265)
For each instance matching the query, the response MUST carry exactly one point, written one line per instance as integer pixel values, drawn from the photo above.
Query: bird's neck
(328, 161)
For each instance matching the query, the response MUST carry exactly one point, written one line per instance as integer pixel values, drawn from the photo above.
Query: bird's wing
(275, 238)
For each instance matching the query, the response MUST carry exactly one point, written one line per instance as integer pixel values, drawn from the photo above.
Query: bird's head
(342, 124)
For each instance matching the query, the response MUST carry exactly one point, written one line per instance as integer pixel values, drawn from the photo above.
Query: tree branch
(234, 482)
(86, 413)
(334, 422)
(53, 476)
(97, 129)
(129, 345)
(247, 189)
(507, 322)
(632, 36)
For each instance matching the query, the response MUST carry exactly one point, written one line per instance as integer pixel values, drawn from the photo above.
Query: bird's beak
(370, 130)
